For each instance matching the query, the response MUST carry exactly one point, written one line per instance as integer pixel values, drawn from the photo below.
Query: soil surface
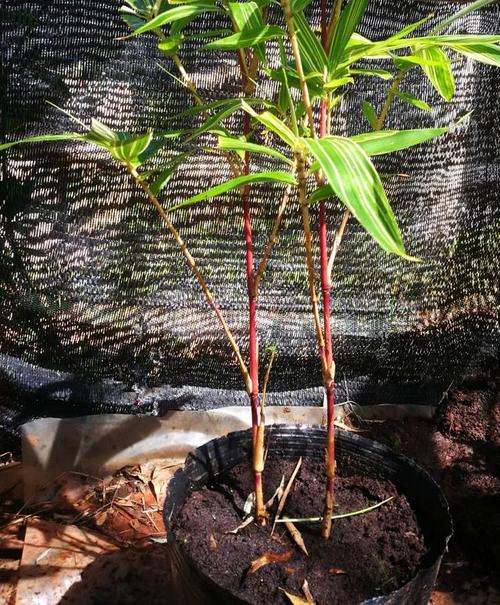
(461, 450)
(367, 555)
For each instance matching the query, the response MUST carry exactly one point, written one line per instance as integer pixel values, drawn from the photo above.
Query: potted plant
(312, 74)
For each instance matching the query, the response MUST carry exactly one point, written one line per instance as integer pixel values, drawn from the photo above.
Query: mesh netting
(98, 311)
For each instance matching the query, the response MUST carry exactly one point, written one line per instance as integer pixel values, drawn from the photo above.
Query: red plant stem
(252, 295)
(328, 376)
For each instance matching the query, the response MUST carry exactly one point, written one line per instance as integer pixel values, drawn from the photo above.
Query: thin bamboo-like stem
(272, 237)
(294, 43)
(197, 273)
(306, 224)
(326, 287)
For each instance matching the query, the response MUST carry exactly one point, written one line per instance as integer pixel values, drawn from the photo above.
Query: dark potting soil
(369, 554)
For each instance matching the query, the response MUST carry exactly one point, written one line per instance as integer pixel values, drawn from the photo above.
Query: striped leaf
(246, 39)
(372, 49)
(387, 141)
(474, 6)
(484, 53)
(234, 144)
(274, 124)
(247, 17)
(411, 99)
(347, 23)
(313, 56)
(438, 70)
(44, 138)
(238, 182)
(178, 13)
(383, 74)
(130, 148)
(353, 178)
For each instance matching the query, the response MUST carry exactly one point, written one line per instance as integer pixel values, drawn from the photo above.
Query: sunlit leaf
(355, 181)
(387, 141)
(473, 6)
(313, 56)
(439, 73)
(484, 53)
(347, 23)
(238, 182)
(44, 138)
(274, 124)
(183, 11)
(239, 144)
(379, 73)
(410, 98)
(246, 39)
(247, 17)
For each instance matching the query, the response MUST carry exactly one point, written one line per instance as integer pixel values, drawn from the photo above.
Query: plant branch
(294, 43)
(272, 237)
(306, 222)
(196, 271)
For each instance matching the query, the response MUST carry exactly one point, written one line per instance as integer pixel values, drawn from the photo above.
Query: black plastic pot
(353, 452)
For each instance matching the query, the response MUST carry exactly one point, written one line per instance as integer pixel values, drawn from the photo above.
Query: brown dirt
(377, 551)
(461, 449)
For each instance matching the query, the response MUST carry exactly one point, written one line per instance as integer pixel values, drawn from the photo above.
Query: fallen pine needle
(340, 516)
(295, 599)
(307, 592)
(269, 557)
(269, 503)
(297, 536)
(246, 522)
(283, 498)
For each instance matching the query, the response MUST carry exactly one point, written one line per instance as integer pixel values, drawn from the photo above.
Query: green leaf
(324, 192)
(379, 73)
(102, 135)
(273, 123)
(387, 141)
(408, 97)
(439, 74)
(170, 46)
(130, 147)
(206, 107)
(409, 29)
(247, 18)
(484, 53)
(44, 138)
(313, 56)
(168, 171)
(369, 113)
(240, 181)
(241, 145)
(337, 83)
(474, 6)
(347, 23)
(372, 49)
(246, 39)
(353, 178)
(177, 13)
(215, 120)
